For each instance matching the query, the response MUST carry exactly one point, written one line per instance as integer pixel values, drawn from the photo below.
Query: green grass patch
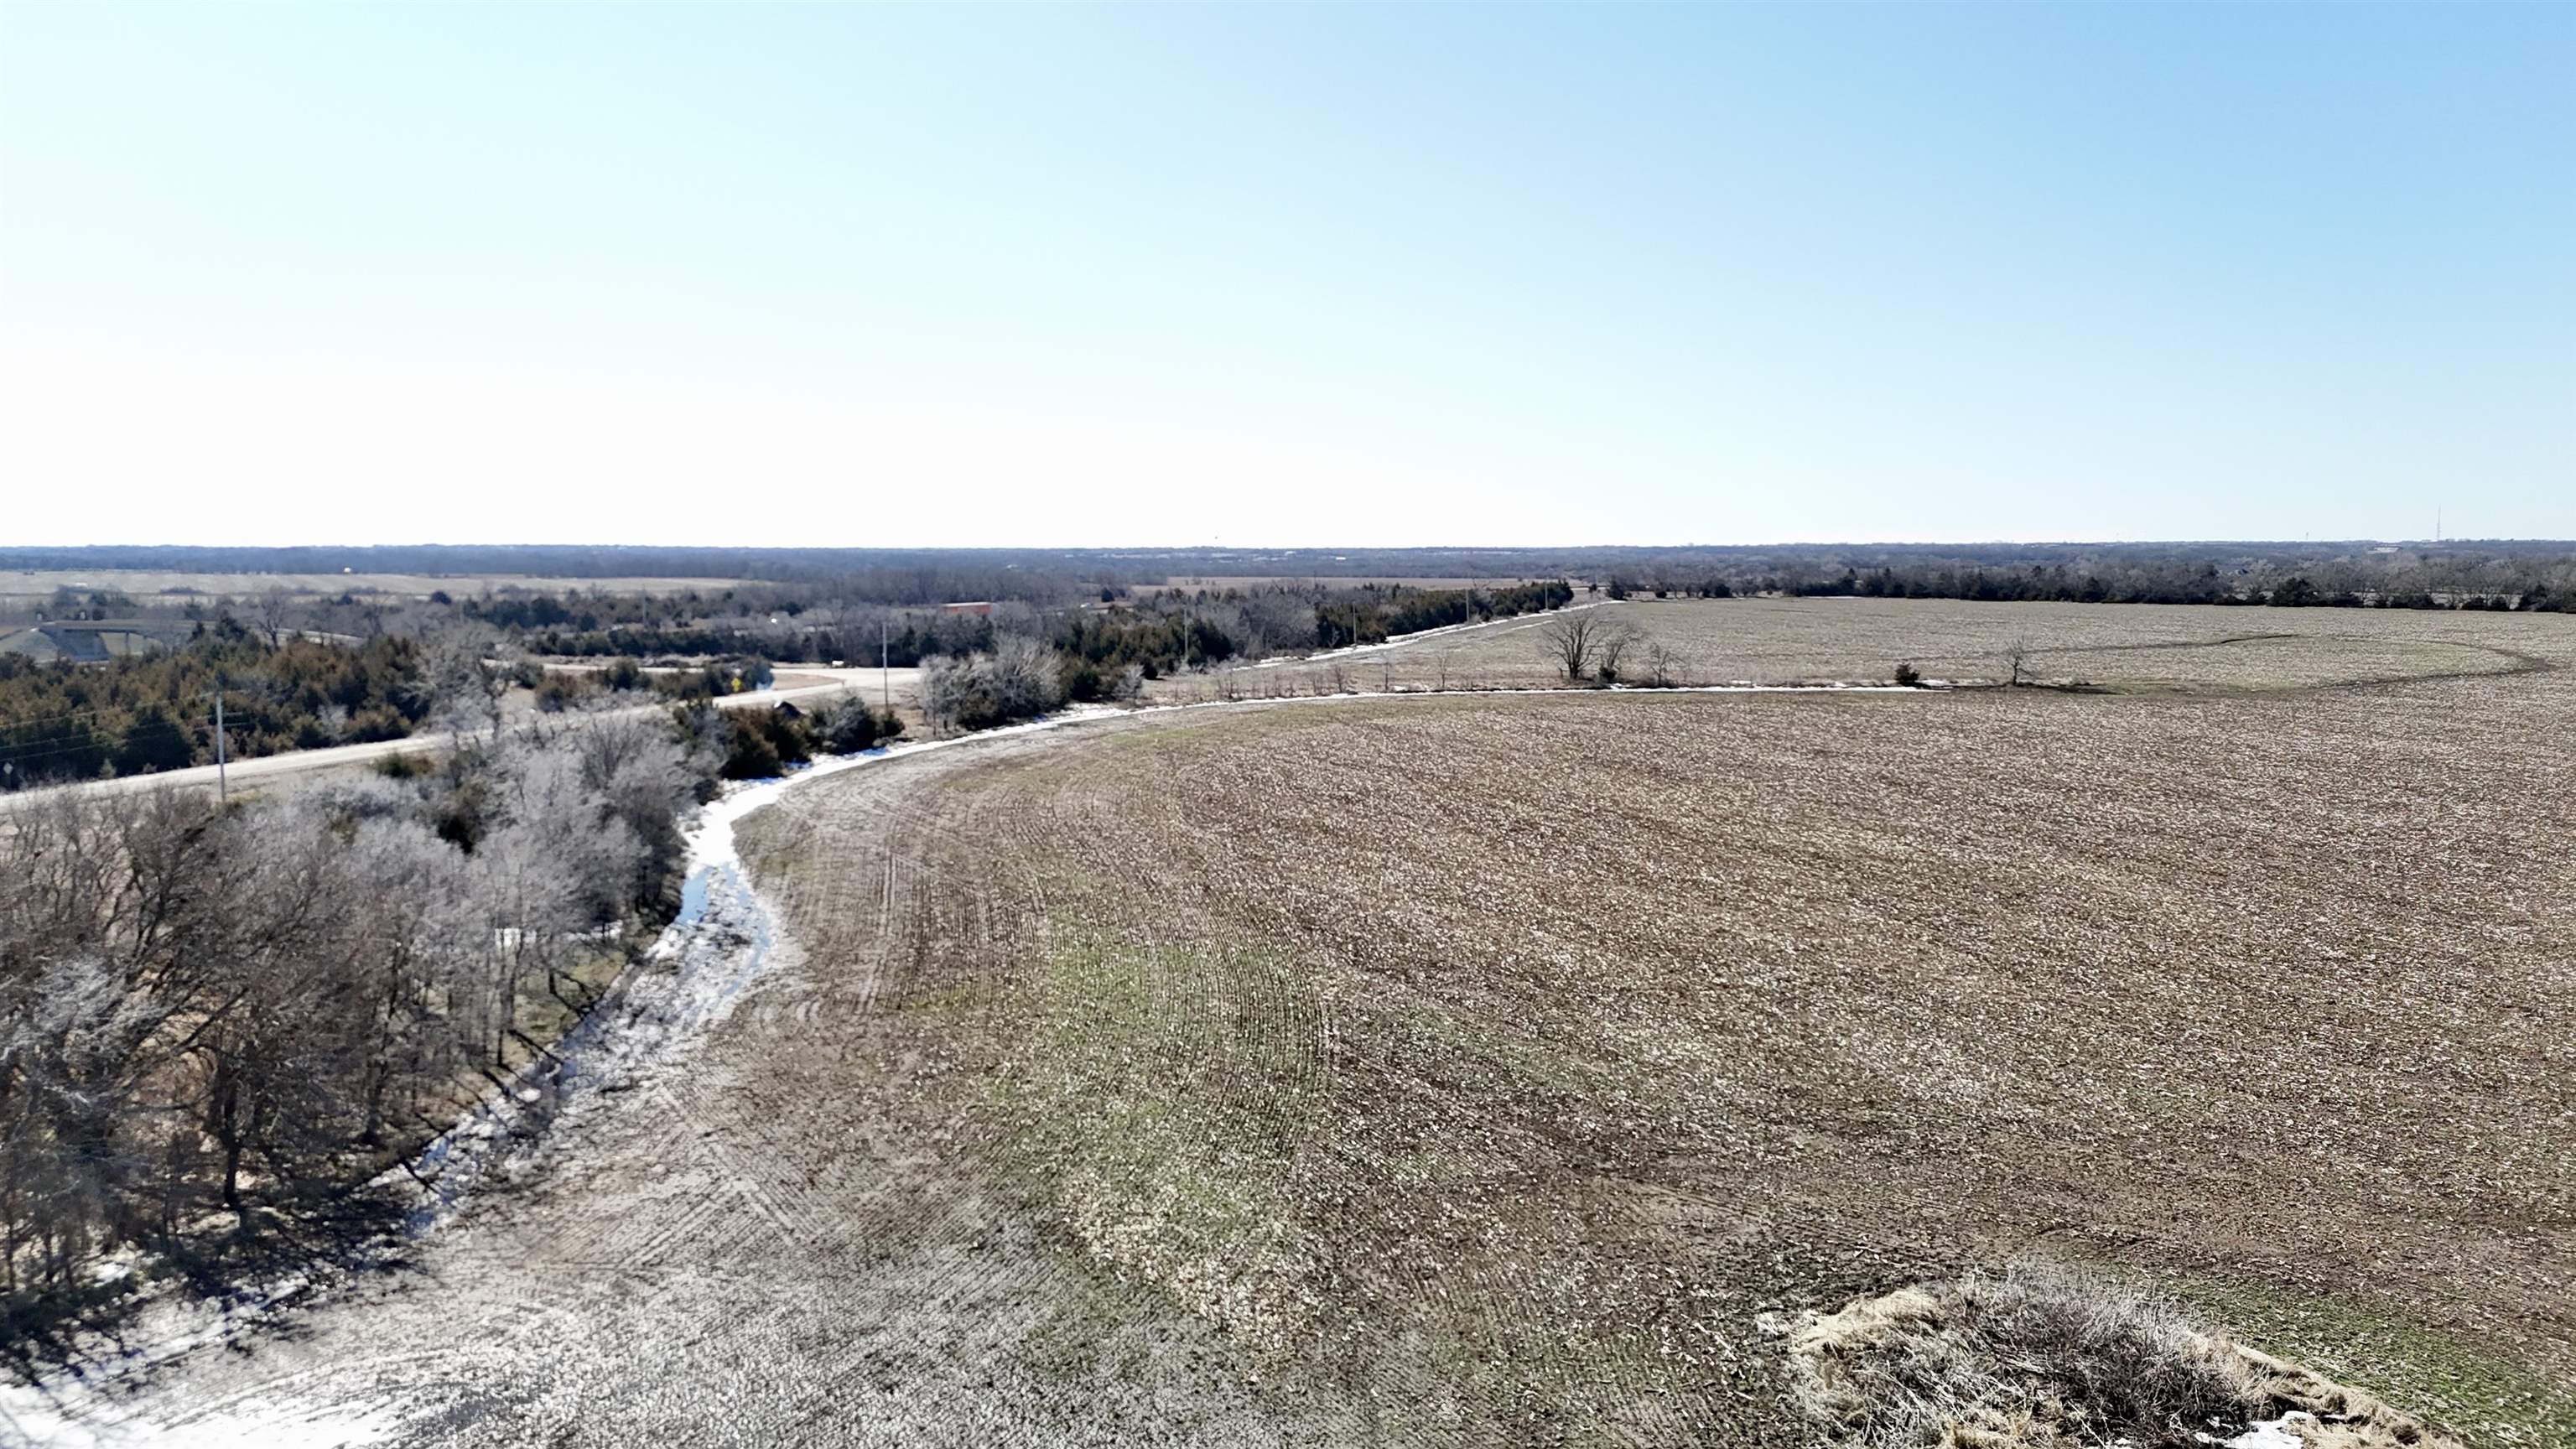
(2488, 1397)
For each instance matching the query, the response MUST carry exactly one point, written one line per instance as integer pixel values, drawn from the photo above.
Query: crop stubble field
(1507, 1060)
(2132, 647)
(1486, 1070)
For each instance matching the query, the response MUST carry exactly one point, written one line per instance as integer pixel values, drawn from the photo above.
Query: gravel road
(268, 769)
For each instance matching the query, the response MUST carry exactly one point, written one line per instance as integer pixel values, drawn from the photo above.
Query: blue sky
(1346, 274)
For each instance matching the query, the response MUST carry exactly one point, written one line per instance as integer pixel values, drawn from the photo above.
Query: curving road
(242, 774)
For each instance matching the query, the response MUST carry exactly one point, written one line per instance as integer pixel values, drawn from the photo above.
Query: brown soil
(1484, 1071)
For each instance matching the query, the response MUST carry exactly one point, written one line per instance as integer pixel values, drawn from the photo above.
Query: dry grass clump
(2041, 1357)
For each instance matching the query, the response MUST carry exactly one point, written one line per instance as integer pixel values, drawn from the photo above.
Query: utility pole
(885, 675)
(223, 791)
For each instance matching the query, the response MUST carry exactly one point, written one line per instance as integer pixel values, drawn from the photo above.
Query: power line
(197, 692)
(37, 719)
(164, 706)
(13, 756)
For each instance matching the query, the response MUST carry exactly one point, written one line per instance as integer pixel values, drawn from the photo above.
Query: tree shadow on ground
(277, 1255)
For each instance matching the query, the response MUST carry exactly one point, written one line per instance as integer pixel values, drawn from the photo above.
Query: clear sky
(1350, 274)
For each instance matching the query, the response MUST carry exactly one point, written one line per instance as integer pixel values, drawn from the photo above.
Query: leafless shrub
(1612, 641)
(1019, 679)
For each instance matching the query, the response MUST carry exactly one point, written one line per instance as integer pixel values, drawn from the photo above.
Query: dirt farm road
(268, 769)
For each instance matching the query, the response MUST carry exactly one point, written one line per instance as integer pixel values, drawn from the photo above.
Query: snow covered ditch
(686, 983)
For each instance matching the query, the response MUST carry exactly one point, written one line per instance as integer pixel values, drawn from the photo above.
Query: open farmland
(1503, 1070)
(2132, 647)
(1513, 1058)
(150, 585)
(1194, 583)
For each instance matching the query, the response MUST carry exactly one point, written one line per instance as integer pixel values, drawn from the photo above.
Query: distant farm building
(972, 606)
(96, 642)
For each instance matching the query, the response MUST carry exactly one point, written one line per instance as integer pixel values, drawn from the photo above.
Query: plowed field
(1492, 1070)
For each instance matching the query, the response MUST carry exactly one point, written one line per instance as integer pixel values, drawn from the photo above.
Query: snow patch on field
(2267, 1434)
(272, 1424)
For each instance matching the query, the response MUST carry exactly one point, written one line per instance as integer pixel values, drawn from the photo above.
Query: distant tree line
(2538, 578)
(1158, 635)
(916, 577)
(1374, 614)
(1107, 653)
(1100, 639)
(800, 638)
(892, 576)
(2536, 587)
(1623, 586)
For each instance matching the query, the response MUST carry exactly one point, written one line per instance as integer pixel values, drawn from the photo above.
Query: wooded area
(217, 1022)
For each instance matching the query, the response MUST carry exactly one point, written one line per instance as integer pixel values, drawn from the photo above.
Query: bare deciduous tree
(2016, 656)
(206, 1009)
(1570, 641)
(465, 673)
(271, 609)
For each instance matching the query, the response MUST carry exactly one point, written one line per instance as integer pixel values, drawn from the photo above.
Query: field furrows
(1513, 1057)
(2133, 647)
